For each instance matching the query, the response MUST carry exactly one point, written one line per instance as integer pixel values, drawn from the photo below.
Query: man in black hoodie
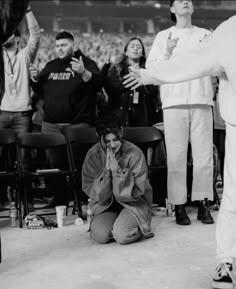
(69, 86)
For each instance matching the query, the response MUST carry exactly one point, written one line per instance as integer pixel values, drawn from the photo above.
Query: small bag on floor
(33, 221)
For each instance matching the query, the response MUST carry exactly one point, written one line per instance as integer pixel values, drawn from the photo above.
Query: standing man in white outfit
(187, 109)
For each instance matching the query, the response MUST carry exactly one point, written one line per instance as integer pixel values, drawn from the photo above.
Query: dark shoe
(181, 215)
(223, 278)
(204, 214)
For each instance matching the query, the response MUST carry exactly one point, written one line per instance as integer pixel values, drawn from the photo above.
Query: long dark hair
(122, 62)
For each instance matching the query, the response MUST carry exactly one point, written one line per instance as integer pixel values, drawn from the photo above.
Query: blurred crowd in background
(98, 46)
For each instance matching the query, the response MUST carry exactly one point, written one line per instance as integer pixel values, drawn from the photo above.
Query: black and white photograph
(117, 144)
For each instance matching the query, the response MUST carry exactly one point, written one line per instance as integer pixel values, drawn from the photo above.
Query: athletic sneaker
(223, 278)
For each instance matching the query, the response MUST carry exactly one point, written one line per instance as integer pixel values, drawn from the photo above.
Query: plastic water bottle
(13, 214)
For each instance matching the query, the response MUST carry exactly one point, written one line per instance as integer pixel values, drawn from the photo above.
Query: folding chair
(80, 140)
(150, 141)
(44, 142)
(144, 137)
(147, 139)
(9, 171)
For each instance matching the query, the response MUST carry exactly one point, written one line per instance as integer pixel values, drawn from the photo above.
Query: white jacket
(198, 91)
(216, 54)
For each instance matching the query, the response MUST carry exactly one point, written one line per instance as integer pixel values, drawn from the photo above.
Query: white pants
(226, 223)
(182, 124)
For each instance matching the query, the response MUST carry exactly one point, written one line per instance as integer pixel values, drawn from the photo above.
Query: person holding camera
(68, 86)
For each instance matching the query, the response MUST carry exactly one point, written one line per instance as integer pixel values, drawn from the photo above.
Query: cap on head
(172, 15)
(64, 35)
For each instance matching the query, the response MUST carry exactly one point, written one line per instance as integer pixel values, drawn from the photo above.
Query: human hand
(206, 35)
(77, 65)
(113, 161)
(91, 202)
(108, 168)
(108, 57)
(133, 79)
(171, 43)
(34, 72)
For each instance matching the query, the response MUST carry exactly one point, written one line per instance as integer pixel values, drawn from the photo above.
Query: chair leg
(77, 202)
(26, 208)
(18, 198)
(78, 206)
(76, 199)
(216, 196)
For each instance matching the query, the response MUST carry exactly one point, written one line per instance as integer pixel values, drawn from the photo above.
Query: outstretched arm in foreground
(191, 64)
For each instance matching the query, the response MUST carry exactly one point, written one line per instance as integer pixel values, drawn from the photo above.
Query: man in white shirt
(187, 110)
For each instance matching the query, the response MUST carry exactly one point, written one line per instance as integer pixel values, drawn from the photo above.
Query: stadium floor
(178, 257)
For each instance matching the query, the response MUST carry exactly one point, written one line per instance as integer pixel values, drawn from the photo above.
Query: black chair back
(41, 140)
(81, 135)
(147, 139)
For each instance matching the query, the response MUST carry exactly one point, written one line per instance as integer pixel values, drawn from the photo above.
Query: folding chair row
(22, 166)
(149, 139)
(75, 143)
(146, 138)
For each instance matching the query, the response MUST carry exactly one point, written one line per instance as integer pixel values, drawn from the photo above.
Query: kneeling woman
(114, 176)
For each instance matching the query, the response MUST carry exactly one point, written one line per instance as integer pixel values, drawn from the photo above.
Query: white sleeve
(34, 37)
(194, 63)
